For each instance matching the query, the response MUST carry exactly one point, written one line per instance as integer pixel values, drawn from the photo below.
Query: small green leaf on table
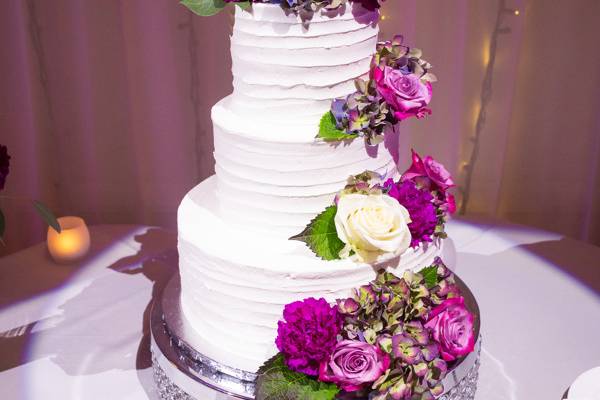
(47, 215)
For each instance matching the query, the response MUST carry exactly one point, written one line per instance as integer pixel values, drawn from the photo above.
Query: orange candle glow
(72, 243)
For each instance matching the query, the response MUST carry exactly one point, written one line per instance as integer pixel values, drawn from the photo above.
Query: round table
(81, 331)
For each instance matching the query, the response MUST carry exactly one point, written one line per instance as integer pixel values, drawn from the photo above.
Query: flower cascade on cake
(374, 218)
(398, 88)
(395, 338)
(304, 8)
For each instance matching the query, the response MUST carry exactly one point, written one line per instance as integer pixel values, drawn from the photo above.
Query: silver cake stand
(182, 373)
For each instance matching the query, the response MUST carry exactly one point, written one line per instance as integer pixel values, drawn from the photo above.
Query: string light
(383, 17)
(485, 53)
(480, 110)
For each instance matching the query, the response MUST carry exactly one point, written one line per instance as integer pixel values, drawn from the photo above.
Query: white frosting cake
(238, 268)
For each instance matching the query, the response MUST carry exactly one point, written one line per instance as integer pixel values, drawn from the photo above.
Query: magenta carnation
(308, 335)
(4, 165)
(420, 207)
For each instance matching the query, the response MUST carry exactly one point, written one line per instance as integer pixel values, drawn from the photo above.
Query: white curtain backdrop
(105, 107)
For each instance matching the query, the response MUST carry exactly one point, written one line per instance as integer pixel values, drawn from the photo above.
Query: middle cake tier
(271, 183)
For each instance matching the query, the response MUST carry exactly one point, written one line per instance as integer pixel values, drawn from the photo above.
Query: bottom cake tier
(235, 281)
(181, 372)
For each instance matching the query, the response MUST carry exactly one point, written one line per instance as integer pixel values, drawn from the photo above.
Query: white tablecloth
(76, 332)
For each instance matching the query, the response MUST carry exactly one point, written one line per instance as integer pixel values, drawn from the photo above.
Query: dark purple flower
(308, 335)
(371, 4)
(4, 165)
(420, 207)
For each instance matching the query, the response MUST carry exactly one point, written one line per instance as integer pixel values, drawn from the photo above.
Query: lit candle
(72, 243)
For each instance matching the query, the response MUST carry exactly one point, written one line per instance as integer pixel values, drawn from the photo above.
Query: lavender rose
(452, 328)
(354, 364)
(4, 165)
(308, 335)
(405, 93)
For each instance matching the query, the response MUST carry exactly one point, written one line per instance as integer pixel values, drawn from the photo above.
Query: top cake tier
(287, 71)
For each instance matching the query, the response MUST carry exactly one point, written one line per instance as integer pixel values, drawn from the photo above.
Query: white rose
(372, 225)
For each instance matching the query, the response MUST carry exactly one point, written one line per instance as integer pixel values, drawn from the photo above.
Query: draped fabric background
(105, 107)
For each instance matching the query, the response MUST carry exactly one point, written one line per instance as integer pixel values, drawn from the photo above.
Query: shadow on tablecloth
(91, 312)
(158, 269)
(579, 260)
(539, 306)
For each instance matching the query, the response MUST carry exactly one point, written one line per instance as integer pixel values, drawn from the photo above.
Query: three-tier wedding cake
(238, 268)
(307, 205)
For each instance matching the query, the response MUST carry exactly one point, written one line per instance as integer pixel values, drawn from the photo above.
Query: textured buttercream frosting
(235, 283)
(238, 268)
(272, 174)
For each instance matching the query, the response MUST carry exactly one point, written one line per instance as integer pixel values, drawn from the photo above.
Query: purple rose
(4, 165)
(354, 364)
(405, 93)
(428, 168)
(308, 335)
(452, 328)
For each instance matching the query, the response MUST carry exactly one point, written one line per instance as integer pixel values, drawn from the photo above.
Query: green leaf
(277, 382)
(329, 132)
(2, 226)
(430, 275)
(244, 5)
(47, 215)
(321, 236)
(204, 7)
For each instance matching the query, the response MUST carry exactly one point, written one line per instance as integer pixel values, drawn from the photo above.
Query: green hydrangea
(388, 312)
